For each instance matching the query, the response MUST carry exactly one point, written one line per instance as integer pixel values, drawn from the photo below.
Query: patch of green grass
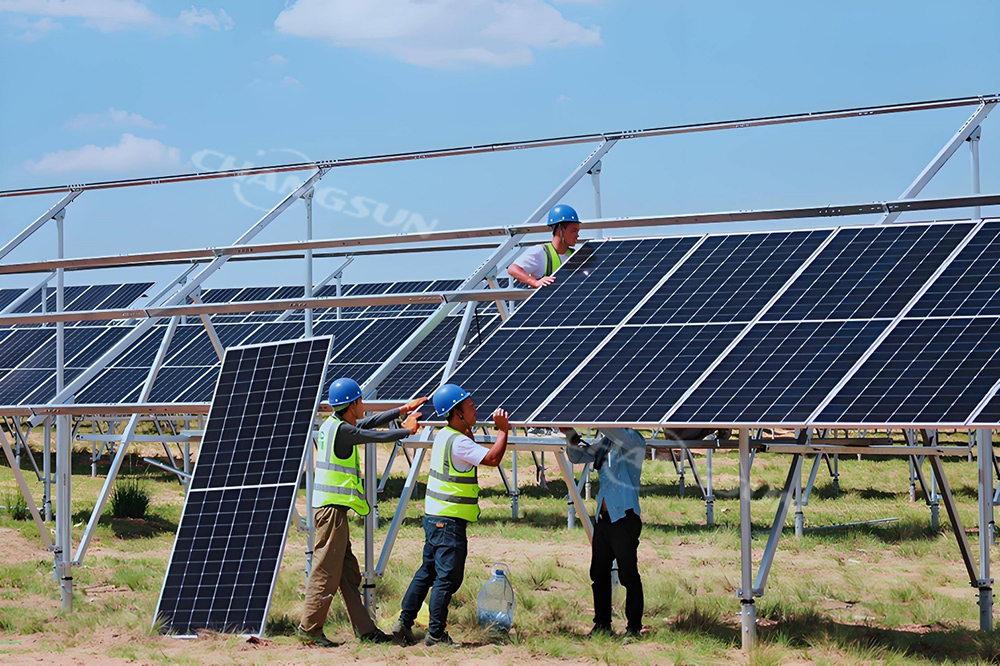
(129, 498)
(16, 505)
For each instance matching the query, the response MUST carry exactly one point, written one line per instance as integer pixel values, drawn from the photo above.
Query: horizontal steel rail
(764, 215)
(477, 295)
(520, 145)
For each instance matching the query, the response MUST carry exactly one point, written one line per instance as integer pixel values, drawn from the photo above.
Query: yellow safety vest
(552, 260)
(451, 493)
(338, 480)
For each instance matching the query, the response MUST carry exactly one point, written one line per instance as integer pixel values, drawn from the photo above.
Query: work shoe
(443, 639)
(602, 630)
(403, 635)
(319, 640)
(632, 636)
(377, 636)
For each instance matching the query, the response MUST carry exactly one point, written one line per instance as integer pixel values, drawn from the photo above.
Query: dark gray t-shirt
(349, 436)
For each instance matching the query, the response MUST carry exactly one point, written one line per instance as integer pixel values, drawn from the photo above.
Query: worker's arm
(520, 275)
(495, 454)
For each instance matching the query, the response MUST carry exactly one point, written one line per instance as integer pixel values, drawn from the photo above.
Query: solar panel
(601, 283)
(729, 278)
(779, 372)
(239, 503)
(869, 272)
(936, 370)
(639, 374)
(832, 296)
(970, 286)
(544, 358)
(8, 296)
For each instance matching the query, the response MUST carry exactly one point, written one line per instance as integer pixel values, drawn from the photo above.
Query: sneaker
(403, 635)
(602, 630)
(443, 639)
(319, 640)
(377, 636)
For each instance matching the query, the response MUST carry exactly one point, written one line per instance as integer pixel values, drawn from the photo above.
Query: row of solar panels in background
(777, 320)
(191, 366)
(91, 297)
(243, 294)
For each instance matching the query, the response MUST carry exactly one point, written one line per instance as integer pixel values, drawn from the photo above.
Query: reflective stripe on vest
(451, 493)
(338, 480)
(552, 260)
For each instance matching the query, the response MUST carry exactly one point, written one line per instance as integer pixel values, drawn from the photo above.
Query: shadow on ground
(937, 642)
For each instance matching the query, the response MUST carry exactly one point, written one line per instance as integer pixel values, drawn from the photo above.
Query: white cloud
(439, 33)
(131, 153)
(113, 118)
(278, 59)
(105, 15)
(32, 31)
(290, 81)
(114, 15)
(196, 17)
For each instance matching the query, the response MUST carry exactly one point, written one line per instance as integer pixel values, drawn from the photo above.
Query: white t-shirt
(466, 454)
(532, 261)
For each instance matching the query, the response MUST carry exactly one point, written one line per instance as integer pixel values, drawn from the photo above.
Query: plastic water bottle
(495, 603)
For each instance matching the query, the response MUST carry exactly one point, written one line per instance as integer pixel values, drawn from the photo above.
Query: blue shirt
(619, 475)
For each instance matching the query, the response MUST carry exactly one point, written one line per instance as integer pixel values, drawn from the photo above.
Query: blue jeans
(445, 548)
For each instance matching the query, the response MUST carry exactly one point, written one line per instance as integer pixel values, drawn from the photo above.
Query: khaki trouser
(334, 567)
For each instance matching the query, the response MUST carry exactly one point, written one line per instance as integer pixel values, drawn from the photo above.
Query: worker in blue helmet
(536, 265)
(338, 489)
(451, 503)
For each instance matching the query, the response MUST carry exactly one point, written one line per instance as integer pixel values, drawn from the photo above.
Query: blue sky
(106, 89)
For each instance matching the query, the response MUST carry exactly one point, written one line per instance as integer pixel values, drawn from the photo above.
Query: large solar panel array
(76, 297)
(870, 325)
(239, 502)
(364, 338)
(243, 294)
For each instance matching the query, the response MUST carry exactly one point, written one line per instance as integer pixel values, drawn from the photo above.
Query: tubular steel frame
(208, 261)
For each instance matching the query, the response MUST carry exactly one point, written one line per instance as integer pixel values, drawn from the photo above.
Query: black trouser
(617, 540)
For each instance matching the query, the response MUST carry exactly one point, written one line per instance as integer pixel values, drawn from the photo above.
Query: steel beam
(50, 214)
(67, 392)
(725, 217)
(521, 145)
(748, 612)
(126, 438)
(925, 176)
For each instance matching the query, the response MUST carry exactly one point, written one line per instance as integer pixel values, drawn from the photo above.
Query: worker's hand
(411, 405)
(545, 281)
(411, 422)
(501, 420)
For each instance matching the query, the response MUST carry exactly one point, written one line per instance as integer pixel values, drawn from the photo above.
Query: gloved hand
(411, 405)
(411, 422)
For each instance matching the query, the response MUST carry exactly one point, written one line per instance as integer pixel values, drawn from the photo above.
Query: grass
(889, 593)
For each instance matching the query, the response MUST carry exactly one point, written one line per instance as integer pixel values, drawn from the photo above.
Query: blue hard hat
(446, 397)
(344, 391)
(562, 213)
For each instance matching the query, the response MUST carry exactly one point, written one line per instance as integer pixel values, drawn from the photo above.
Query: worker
(338, 488)
(618, 458)
(452, 502)
(537, 264)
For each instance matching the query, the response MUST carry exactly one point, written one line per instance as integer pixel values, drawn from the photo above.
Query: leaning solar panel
(239, 505)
